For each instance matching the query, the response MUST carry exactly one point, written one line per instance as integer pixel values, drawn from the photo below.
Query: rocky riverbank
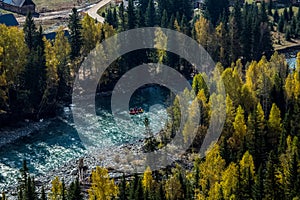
(11, 134)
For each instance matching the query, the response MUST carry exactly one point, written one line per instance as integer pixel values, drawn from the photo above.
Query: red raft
(136, 111)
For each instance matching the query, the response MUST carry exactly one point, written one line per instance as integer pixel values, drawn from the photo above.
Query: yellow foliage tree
(102, 187)
(91, 33)
(13, 58)
(3, 95)
(247, 163)
(240, 128)
(147, 179)
(173, 188)
(211, 169)
(56, 190)
(203, 32)
(160, 44)
(230, 181)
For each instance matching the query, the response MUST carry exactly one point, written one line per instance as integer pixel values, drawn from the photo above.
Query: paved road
(93, 11)
(64, 14)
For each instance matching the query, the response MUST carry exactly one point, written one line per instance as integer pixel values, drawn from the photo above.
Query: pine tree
(286, 15)
(230, 117)
(291, 12)
(276, 15)
(222, 41)
(271, 187)
(281, 24)
(215, 9)
(3, 196)
(115, 18)
(235, 29)
(288, 34)
(122, 22)
(266, 43)
(75, 34)
(270, 6)
(258, 191)
(131, 15)
(260, 136)
(74, 192)
(247, 171)
(43, 195)
(62, 51)
(164, 19)
(150, 17)
(123, 193)
(63, 190)
(292, 183)
(30, 31)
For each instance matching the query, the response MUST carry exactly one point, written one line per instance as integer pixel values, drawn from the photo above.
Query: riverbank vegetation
(258, 153)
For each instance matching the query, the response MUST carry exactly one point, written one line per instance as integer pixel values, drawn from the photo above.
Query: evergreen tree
(74, 192)
(150, 17)
(235, 28)
(30, 31)
(246, 32)
(75, 34)
(215, 9)
(266, 43)
(63, 191)
(270, 6)
(109, 17)
(271, 189)
(35, 69)
(131, 15)
(123, 193)
(281, 24)
(260, 136)
(291, 12)
(258, 191)
(247, 176)
(115, 18)
(276, 15)
(293, 181)
(288, 34)
(122, 22)
(164, 19)
(43, 195)
(286, 16)
(3, 196)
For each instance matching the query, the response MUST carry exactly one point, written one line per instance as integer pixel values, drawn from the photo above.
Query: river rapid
(55, 147)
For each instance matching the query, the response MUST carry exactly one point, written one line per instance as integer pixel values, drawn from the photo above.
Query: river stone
(74, 172)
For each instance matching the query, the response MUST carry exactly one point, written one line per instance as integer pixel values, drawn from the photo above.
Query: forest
(258, 153)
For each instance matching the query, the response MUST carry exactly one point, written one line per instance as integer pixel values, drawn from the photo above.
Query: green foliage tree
(75, 33)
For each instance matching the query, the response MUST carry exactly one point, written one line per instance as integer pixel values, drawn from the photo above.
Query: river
(57, 144)
(50, 148)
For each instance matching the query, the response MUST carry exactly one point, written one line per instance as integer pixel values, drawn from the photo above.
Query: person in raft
(135, 110)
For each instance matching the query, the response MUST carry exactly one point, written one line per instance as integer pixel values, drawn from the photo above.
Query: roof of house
(52, 35)
(8, 20)
(18, 3)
